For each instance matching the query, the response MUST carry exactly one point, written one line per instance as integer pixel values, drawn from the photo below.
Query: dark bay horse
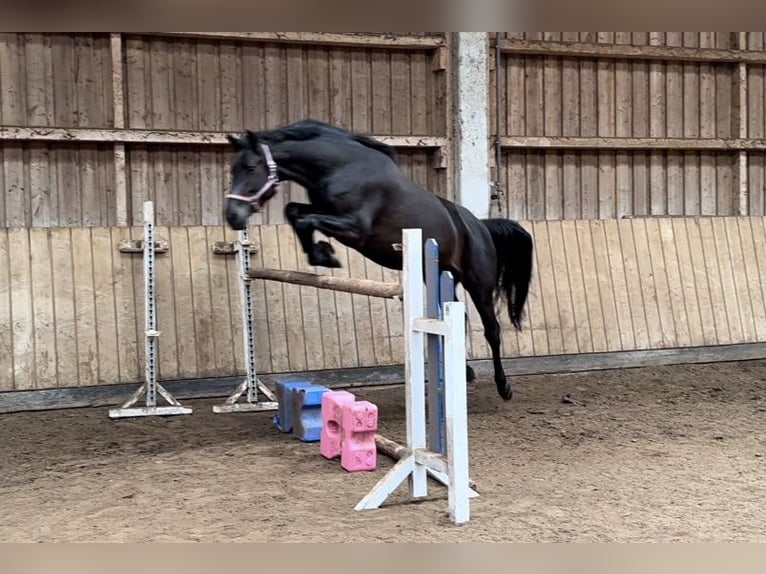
(359, 196)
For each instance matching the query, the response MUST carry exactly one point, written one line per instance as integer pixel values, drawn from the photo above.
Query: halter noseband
(272, 180)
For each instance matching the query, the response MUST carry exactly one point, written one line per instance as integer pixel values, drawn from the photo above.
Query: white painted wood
(387, 484)
(417, 462)
(471, 123)
(414, 349)
(431, 326)
(456, 412)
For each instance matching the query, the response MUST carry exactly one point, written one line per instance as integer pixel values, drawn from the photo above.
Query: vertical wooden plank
(655, 328)
(675, 183)
(623, 180)
(137, 268)
(104, 306)
(547, 286)
(12, 79)
(535, 186)
(657, 178)
(420, 69)
(516, 187)
(136, 80)
(209, 86)
(639, 308)
(726, 200)
(7, 357)
(607, 203)
(606, 98)
(576, 285)
(276, 112)
(126, 319)
(591, 282)
(224, 338)
(563, 289)
(678, 275)
(570, 94)
(316, 341)
(589, 109)
(651, 242)
(707, 258)
(38, 78)
(691, 183)
(708, 199)
(362, 313)
(296, 336)
(590, 186)
(756, 170)
(85, 307)
(345, 313)
(570, 185)
(22, 309)
(185, 306)
(231, 86)
(697, 281)
(380, 332)
(42, 210)
(753, 241)
(17, 208)
(234, 301)
(641, 100)
(623, 99)
(258, 291)
(275, 308)
(41, 284)
(620, 332)
(552, 96)
(736, 265)
(516, 94)
(554, 200)
(169, 361)
(691, 75)
(730, 293)
(535, 93)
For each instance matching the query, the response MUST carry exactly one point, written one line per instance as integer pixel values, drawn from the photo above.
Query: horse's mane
(307, 129)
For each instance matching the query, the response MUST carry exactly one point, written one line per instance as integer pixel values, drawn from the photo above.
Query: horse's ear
(235, 142)
(252, 139)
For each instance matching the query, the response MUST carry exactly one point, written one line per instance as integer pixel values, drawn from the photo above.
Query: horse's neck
(296, 163)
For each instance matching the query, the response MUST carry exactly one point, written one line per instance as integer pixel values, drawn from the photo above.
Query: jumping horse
(360, 197)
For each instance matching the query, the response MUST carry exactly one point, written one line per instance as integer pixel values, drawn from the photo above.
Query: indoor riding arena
(132, 410)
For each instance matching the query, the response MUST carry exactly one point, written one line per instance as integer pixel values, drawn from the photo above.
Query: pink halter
(271, 181)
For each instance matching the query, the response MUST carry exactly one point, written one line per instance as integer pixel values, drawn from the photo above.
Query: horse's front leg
(320, 253)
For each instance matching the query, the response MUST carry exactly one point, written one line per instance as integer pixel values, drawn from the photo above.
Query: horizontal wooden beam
(626, 51)
(133, 136)
(345, 284)
(351, 40)
(609, 143)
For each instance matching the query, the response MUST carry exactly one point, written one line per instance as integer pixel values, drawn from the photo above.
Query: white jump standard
(418, 461)
(150, 387)
(251, 385)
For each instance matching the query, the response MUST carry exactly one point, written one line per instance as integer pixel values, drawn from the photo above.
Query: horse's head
(253, 179)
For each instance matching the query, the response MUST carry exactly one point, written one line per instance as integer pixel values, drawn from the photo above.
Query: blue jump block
(307, 412)
(285, 390)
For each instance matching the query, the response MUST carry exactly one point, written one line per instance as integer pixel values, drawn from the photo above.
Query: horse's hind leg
(482, 296)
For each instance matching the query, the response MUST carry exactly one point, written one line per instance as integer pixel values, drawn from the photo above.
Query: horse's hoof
(322, 255)
(505, 391)
(470, 376)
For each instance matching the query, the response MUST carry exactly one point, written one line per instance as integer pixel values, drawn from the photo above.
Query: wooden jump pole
(348, 285)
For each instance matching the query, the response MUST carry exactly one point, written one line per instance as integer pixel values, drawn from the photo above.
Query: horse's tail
(513, 245)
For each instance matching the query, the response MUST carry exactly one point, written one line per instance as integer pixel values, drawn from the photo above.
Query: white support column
(471, 122)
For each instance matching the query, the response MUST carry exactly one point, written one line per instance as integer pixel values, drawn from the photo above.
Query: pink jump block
(332, 416)
(358, 450)
(348, 430)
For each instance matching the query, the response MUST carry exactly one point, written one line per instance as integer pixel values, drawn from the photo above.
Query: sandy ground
(662, 454)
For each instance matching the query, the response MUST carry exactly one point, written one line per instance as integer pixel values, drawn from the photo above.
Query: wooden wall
(603, 125)
(135, 117)
(75, 303)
